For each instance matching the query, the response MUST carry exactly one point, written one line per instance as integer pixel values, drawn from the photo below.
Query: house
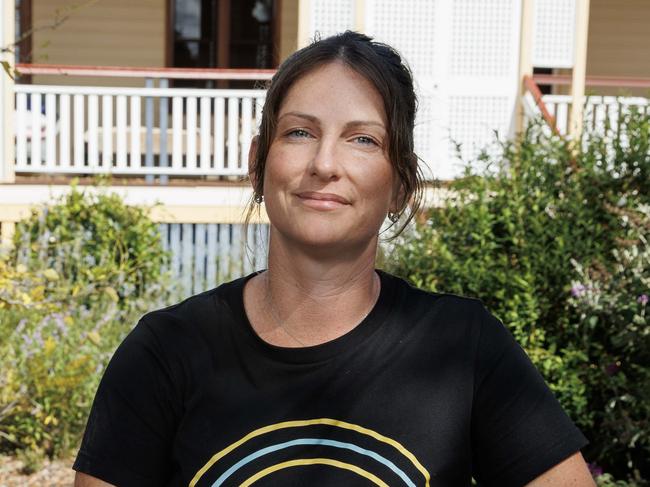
(164, 94)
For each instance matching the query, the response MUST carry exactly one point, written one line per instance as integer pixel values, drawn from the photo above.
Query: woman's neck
(305, 299)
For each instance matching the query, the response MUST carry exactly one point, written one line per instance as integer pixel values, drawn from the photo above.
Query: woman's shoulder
(417, 296)
(454, 317)
(194, 312)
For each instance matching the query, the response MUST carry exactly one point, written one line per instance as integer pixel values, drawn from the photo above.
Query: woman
(322, 370)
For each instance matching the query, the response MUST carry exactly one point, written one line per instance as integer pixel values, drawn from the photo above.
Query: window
(221, 33)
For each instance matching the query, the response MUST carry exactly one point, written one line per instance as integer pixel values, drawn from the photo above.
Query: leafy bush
(93, 237)
(509, 236)
(613, 328)
(91, 268)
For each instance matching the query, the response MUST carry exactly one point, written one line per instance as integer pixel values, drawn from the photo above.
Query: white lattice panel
(553, 33)
(429, 134)
(482, 79)
(482, 38)
(331, 16)
(409, 28)
(418, 30)
(474, 121)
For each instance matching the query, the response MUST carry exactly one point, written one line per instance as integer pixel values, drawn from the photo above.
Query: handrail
(565, 79)
(532, 87)
(146, 72)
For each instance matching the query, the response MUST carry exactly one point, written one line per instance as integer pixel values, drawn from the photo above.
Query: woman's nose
(325, 164)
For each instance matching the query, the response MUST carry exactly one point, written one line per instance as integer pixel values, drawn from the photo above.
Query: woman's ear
(252, 157)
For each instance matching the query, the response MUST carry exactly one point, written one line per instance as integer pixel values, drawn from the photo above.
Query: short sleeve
(130, 429)
(519, 429)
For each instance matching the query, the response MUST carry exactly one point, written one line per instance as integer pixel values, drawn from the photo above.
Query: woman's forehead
(332, 90)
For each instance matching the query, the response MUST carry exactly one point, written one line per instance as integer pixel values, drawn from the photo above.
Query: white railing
(600, 111)
(132, 131)
(206, 255)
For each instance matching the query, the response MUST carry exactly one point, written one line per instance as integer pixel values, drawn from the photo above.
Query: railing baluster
(219, 132)
(78, 159)
(233, 133)
(199, 258)
(64, 131)
(204, 162)
(246, 132)
(190, 133)
(236, 252)
(93, 121)
(135, 132)
(224, 252)
(613, 118)
(50, 131)
(35, 155)
(600, 116)
(21, 130)
(177, 133)
(211, 252)
(107, 131)
(561, 118)
(121, 131)
(187, 245)
(164, 113)
(148, 121)
(175, 250)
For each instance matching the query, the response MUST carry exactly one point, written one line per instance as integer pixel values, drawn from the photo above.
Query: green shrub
(93, 237)
(87, 269)
(613, 328)
(509, 235)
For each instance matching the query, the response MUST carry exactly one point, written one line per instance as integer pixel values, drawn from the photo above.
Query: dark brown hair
(383, 67)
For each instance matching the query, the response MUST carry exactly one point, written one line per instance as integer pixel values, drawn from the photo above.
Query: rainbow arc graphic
(386, 456)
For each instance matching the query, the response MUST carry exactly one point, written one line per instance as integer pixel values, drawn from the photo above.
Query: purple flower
(60, 324)
(21, 325)
(643, 299)
(612, 368)
(595, 470)
(578, 290)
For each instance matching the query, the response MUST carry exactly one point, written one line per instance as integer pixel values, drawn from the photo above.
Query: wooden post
(304, 22)
(7, 21)
(579, 69)
(525, 59)
(360, 15)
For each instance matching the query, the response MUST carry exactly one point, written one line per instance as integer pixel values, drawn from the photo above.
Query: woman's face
(328, 181)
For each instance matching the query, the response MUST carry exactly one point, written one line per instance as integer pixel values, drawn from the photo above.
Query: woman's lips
(322, 201)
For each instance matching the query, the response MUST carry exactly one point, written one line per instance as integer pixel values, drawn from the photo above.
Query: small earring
(258, 198)
(393, 217)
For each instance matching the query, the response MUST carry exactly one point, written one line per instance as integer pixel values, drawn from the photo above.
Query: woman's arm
(572, 472)
(84, 480)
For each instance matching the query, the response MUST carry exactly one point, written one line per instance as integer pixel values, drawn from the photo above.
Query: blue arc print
(312, 441)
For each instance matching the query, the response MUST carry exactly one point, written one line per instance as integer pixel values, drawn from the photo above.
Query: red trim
(128, 72)
(565, 79)
(531, 86)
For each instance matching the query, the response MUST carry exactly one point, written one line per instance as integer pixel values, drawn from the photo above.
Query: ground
(58, 473)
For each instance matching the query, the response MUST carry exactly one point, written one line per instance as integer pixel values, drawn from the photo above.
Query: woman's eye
(362, 139)
(298, 133)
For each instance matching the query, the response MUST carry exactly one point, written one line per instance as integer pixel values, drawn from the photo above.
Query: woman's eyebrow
(349, 125)
(306, 116)
(362, 123)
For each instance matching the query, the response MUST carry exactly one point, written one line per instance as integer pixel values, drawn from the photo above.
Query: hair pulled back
(383, 67)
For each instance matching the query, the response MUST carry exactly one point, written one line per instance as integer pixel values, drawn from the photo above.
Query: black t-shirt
(428, 390)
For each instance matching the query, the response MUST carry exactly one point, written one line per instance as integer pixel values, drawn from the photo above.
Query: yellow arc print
(314, 461)
(310, 422)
